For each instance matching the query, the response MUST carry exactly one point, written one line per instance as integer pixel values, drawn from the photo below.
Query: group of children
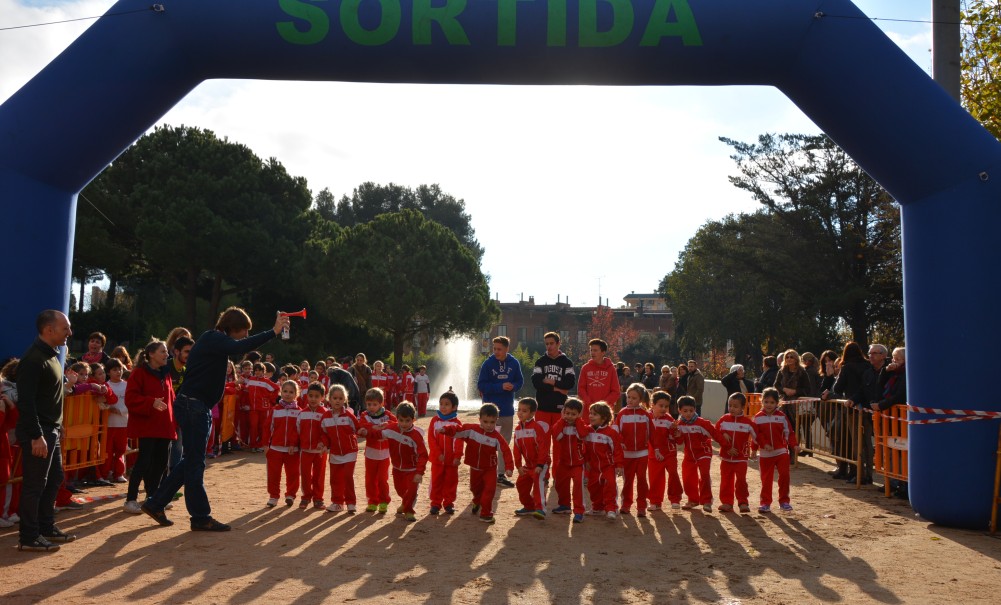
(587, 447)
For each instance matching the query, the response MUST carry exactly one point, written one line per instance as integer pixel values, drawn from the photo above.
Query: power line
(821, 15)
(157, 8)
(98, 210)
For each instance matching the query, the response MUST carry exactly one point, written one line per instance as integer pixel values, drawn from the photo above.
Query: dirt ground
(839, 545)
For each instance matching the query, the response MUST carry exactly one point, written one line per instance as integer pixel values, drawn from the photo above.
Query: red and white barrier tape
(944, 420)
(946, 412)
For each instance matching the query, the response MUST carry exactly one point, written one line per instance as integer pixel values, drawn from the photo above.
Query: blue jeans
(42, 478)
(194, 419)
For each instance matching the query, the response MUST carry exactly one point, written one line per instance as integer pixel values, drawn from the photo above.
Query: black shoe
(866, 480)
(102, 482)
(157, 515)
(850, 478)
(39, 544)
(75, 490)
(58, 535)
(449, 510)
(209, 524)
(840, 474)
(502, 480)
(71, 505)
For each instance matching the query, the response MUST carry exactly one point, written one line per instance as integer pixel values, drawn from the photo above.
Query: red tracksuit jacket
(602, 448)
(697, 438)
(284, 427)
(740, 429)
(261, 392)
(531, 444)
(441, 444)
(406, 448)
(662, 438)
(340, 435)
(569, 441)
(481, 447)
(774, 430)
(109, 398)
(634, 426)
(598, 383)
(310, 428)
(376, 448)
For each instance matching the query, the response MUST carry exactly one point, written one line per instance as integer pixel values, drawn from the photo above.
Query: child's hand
(441, 458)
(798, 449)
(525, 470)
(418, 478)
(508, 473)
(728, 438)
(658, 455)
(734, 452)
(362, 432)
(72, 377)
(768, 447)
(619, 472)
(456, 462)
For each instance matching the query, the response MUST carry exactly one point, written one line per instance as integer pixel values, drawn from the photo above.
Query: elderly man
(696, 385)
(40, 402)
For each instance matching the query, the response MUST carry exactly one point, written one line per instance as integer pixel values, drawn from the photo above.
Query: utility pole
(946, 45)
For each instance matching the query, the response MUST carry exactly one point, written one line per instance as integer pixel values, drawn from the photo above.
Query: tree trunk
(859, 324)
(215, 300)
(109, 301)
(83, 283)
(190, 293)
(398, 348)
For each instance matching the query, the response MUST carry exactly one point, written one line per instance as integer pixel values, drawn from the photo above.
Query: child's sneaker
(725, 508)
(449, 510)
(434, 510)
(476, 509)
(409, 517)
(272, 502)
(487, 519)
(610, 514)
(676, 506)
(334, 508)
(541, 514)
(578, 518)
(351, 509)
(289, 501)
(304, 504)
(624, 512)
(653, 507)
(707, 508)
(120, 479)
(596, 512)
(383, 508)
(744, 508)
(523, 512)
(764, 508)
(641, 513)
(688, 505)
(785, 506)
(317, 504)
(371, 508)
(5, 523)
(562, 510)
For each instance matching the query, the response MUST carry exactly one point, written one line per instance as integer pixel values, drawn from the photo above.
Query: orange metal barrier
(85, 425)
(753, 404)
(890, 431)
(831, 429)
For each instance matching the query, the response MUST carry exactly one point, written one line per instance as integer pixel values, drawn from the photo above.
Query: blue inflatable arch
(125, 72)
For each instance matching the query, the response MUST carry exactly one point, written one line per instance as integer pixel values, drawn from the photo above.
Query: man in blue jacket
(500, 378)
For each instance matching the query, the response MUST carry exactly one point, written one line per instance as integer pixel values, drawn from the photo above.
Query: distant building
(525, 322)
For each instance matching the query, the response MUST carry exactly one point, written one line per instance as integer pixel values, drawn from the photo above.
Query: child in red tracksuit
(635, 425)
(446, 455)
(568, 471)
(340, 430)
(483, 442)
(663, 459)
(283, 448)
(737, 431)
(774, 437)
(603, 459)
(312, 451)
(532, 444)
(376, 452)
(261, 393)
(697, 434)
(408, 455)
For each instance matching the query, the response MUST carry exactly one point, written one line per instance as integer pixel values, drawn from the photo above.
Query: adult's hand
(39, 447)
(280, 324)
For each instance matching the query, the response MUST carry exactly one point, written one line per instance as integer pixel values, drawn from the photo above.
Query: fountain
(457, 356)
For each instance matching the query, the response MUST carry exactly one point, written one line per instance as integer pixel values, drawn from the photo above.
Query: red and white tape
(947, 412)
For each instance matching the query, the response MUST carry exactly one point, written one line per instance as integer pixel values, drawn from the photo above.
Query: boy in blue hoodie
(500, 379)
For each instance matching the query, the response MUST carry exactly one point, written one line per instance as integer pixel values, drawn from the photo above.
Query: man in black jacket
(40, 403)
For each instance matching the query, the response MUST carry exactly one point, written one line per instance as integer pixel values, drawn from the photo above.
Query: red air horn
(302, 314)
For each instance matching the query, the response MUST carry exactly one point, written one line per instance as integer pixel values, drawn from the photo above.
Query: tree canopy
(980, 83)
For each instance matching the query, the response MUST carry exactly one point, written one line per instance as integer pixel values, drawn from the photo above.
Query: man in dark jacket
(339, 375)
(872, 393)
(733, 381)
(767, 379)
(40, 403)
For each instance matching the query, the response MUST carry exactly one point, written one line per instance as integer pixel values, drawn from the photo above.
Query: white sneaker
(595, 513)
(14, 518)
(120, 479)
(272, 502)
(6, 522)
(132, 507)
(610, 514)
(169, 506)
(676, 506)
(335, 508)
(653, 507)
(351, 508)
(707, 508)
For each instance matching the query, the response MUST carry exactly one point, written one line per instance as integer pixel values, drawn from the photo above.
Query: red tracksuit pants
(483, 484)
(663, 472)
(342, 483)
(313, 469)
(570, 485)
(602, 489)
(698, 483)
(117, 444)
(422, 403)
(242, 422)
(532, 488)
(768, 467)
(733, 477)
(290, 463)
(635, 470)
(406, 488)
(444, 484)
(377, 481)
(258, 428)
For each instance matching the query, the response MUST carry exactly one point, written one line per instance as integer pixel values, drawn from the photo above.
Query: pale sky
(640, 167)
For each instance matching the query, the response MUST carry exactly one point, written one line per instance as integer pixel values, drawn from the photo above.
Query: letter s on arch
(319, 22)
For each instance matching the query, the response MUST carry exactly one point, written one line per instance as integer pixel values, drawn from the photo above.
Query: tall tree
(370, 200)
(404, 274)
(980, 83)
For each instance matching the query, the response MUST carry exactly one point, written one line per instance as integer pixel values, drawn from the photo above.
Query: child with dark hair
(662, 464)
(312, 452)
(117, 440)
(408, 455)
(531, 456)
(697, 434)
(738, 431)
(774, 436)
(484, 444)
(603, 459)
(340, 437)
(376, 452)
(635, 425)
(261, 395)
(283, 445)
(445, 454)
(568, 470)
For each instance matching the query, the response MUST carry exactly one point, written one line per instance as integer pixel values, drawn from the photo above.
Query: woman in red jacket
(149, 397)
